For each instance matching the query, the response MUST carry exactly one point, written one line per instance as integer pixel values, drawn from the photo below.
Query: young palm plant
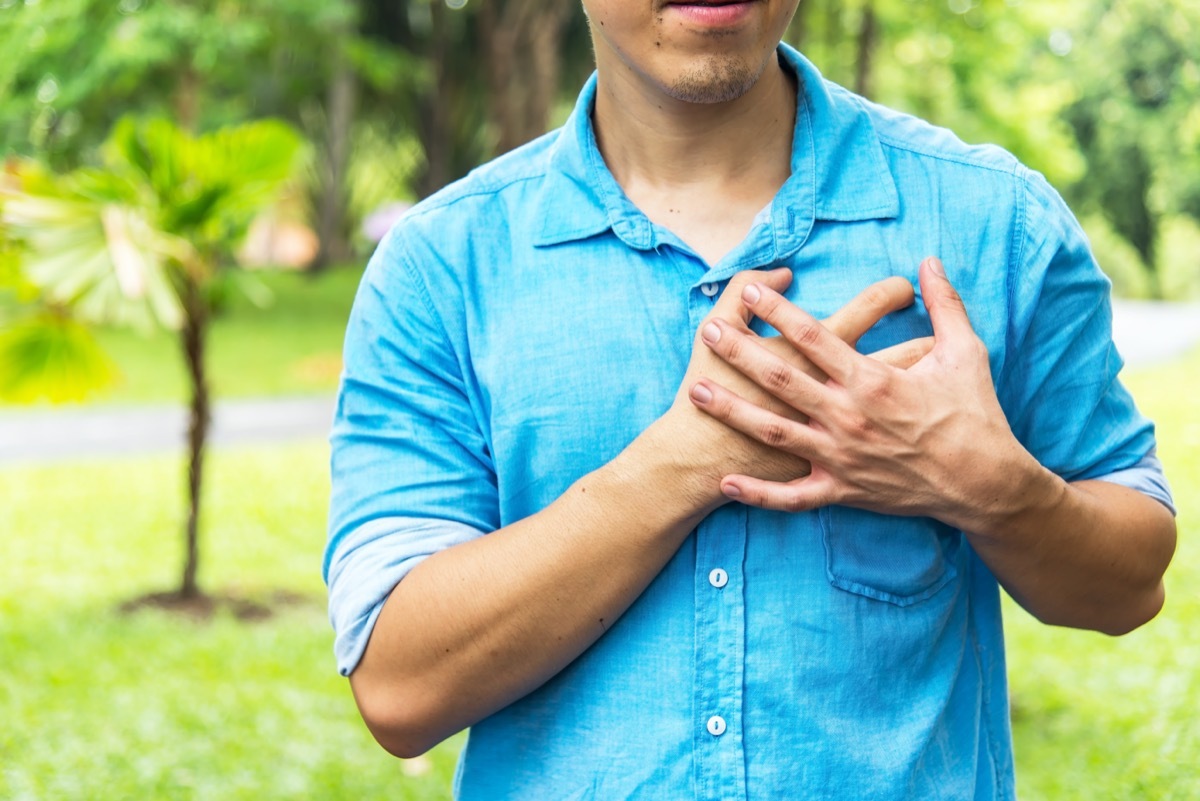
(147, 238)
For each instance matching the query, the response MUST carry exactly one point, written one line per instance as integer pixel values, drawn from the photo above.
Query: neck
(652, 140)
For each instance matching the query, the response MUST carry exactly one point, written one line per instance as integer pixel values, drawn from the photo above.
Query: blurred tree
(979, 67)
(44, 353)
(148, 238)
(70, 68)
(522, 42)
(490, 74)
(443, 102)
(1137, 119)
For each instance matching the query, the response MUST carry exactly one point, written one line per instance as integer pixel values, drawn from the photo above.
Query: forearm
(1088, 554)
(482, 624)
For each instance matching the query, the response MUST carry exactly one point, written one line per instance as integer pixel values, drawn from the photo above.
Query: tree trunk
(522, 43)
(187, 99)
(433, 128)
(194, 334)
(332, 226)
(868, 36)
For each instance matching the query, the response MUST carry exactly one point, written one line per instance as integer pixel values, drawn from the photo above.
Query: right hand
(712, 450)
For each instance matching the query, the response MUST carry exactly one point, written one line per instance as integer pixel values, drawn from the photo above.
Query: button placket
(720, 655)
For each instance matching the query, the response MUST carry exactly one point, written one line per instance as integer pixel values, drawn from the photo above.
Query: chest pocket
(900, 560)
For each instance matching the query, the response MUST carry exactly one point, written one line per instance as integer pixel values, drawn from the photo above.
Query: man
(558, 378)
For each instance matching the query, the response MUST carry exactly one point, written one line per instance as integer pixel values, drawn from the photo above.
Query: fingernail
(935, 264)
(701, 393)
(751, 294)
(711, 333)
(731, 491)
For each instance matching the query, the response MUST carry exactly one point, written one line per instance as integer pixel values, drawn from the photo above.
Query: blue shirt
(520, 328)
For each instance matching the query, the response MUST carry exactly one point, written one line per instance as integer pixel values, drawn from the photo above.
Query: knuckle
(773, 434)
(777, 377)
(731, 347)
(795, 503)
(951, 301)
(806, 333)
(875, 384)
(857, 425)
(876, 298)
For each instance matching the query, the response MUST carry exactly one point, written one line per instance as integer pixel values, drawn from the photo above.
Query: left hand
(928, 440)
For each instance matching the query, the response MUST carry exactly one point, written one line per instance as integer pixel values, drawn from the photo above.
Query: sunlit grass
(100, 704)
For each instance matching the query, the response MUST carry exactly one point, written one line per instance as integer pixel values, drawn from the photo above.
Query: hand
(713, 450)
(928, 440)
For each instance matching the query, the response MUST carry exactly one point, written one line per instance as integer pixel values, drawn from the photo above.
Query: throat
(713, 231)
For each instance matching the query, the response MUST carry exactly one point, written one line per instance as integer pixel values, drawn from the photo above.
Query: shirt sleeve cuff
(368, 564)
(1146, 477)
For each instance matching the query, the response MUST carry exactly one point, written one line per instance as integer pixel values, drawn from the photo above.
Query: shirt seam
(466, 192)
(1016, 251)
(908, 147)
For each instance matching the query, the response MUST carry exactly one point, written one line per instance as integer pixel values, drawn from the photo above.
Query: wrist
(667, 461)
(1020, 493)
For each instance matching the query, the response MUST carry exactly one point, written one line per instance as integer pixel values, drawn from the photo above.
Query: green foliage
(87, 246)
(120, 243)
(1100, 95)
(1137, 121)
(70, 68)
(51, 357)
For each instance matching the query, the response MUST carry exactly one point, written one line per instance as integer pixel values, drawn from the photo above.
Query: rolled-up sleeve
(368, 564)
(1148, 478)
(411, 471)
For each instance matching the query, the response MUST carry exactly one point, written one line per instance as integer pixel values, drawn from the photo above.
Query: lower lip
(712, 16)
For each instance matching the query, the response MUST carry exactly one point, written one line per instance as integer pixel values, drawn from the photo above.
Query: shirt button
(718, 578)
(709, 289)
(716, 725)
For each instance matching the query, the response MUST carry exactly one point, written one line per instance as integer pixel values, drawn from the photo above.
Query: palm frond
(53, 358)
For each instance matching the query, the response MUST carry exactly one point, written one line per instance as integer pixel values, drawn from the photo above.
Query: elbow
(1115, 619)
(1137, 614)
(401, 740)
(403, 726)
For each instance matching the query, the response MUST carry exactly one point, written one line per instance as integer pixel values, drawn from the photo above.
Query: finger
(906, 354)
(729, 305)
(769, 428)
(781, 378)
(869, 307)
(946, 310)
(818, 344)
(802, 495)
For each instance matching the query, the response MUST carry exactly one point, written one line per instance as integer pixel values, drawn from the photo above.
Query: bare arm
(481, 624)
(933, 440)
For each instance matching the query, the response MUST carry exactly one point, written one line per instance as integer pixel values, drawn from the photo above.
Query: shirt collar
(839, 172)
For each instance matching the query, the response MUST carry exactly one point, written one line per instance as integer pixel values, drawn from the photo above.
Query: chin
(719, 80)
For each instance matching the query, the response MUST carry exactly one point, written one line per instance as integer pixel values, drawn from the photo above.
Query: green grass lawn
(98, 704)
(292, 346)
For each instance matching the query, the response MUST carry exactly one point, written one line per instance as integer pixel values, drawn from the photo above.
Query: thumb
(729, 306)
(946, 310)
